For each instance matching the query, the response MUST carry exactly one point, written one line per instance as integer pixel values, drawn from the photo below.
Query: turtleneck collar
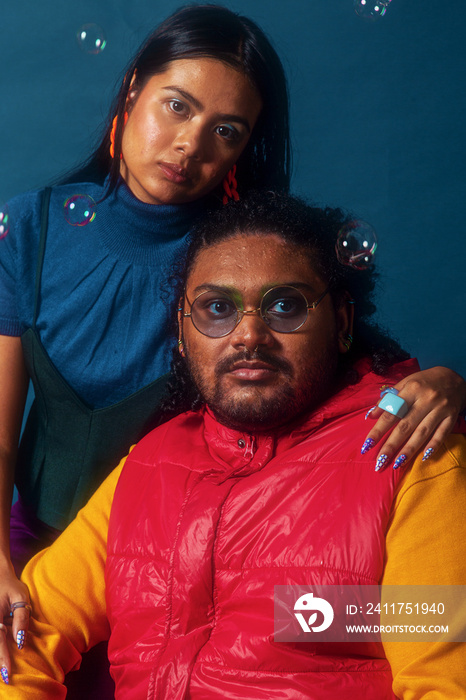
(140, 233)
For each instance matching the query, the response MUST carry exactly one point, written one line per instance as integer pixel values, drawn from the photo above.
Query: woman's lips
(174, 173)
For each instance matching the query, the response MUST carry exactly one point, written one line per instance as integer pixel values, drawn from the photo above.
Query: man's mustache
(228, 363)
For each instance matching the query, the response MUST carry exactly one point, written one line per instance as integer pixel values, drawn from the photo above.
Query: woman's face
(186, 128)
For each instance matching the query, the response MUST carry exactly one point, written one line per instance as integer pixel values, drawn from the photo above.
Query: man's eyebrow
(229, 289)
(302, 286)
(198, 105)
(223, 289)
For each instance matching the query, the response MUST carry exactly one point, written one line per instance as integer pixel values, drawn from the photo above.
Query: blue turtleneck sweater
(102, 316)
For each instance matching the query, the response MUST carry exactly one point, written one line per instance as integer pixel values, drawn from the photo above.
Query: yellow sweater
(425, 544)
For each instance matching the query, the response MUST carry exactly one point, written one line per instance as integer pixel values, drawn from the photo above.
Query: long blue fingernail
(428, 453)
(381, 462)
(4, 674)
(399, 461)
(369, 412)
(20, 639)
(368, 445)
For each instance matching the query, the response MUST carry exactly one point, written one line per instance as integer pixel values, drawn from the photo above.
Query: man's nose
(252, 331)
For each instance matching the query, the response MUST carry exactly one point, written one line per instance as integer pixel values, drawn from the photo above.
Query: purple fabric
(28, 535)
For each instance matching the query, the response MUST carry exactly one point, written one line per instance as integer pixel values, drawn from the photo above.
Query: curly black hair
(312, 228)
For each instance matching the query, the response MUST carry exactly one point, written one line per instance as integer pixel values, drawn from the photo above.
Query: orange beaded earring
(113, 132)
(230, 186)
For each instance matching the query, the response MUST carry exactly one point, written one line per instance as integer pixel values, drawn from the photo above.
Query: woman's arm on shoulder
(435, 398)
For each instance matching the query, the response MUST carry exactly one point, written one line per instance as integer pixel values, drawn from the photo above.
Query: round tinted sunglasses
(284, 309)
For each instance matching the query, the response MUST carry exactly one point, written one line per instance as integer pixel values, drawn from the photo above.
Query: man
(258, 480)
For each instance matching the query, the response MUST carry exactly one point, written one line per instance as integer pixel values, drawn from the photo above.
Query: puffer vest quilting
(207, 520)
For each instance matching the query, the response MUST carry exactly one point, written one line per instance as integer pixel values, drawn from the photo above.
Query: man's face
(256, 378)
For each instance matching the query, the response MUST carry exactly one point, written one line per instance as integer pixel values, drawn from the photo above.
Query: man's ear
(180, 328)
(345, 317)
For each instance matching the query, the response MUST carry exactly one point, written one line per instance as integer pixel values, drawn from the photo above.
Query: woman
(204, 101)
(190, 99)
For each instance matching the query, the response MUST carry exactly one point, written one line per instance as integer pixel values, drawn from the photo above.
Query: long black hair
(313, 229)
(210, 31)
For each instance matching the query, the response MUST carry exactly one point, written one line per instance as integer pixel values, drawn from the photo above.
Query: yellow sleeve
(67, 588)
(426, 545)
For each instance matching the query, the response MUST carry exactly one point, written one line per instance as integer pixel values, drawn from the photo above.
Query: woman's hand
(12, 591)
(435, 397)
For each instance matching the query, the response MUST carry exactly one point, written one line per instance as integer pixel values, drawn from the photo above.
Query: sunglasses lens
(284, 309)
(214, 314)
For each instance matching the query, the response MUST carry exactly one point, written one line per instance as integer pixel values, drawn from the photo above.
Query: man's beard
(261, 412)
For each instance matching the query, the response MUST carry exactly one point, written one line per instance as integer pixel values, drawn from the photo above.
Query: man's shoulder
(447, 464)
(168, 438)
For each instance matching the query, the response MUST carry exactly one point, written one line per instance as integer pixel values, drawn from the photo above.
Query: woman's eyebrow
(198, 105)
(186, 95)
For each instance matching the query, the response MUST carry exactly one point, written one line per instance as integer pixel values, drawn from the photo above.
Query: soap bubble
(91, 38)
(371, 9)
(79, 210)
(4, 220)
(356, 245)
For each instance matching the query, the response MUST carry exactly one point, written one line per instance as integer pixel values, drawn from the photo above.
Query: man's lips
(253, 366)
(174, 173)
(253, 370)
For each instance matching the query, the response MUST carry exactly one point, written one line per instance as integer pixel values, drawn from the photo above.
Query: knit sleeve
(18, 253)
(426, 545)
(9, 317)
(67, 588)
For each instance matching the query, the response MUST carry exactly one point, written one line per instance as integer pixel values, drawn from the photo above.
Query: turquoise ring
(394, 404)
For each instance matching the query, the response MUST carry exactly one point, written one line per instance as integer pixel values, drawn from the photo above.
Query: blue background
(378, 119)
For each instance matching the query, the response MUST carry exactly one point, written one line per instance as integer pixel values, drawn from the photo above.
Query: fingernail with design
(4, 674)
(369, 412)
(20, 639)
(381, 462)
(399, 461)
(368, 445)
(428, 453)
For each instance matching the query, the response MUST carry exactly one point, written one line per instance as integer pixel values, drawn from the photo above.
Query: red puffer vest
(207, 520)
